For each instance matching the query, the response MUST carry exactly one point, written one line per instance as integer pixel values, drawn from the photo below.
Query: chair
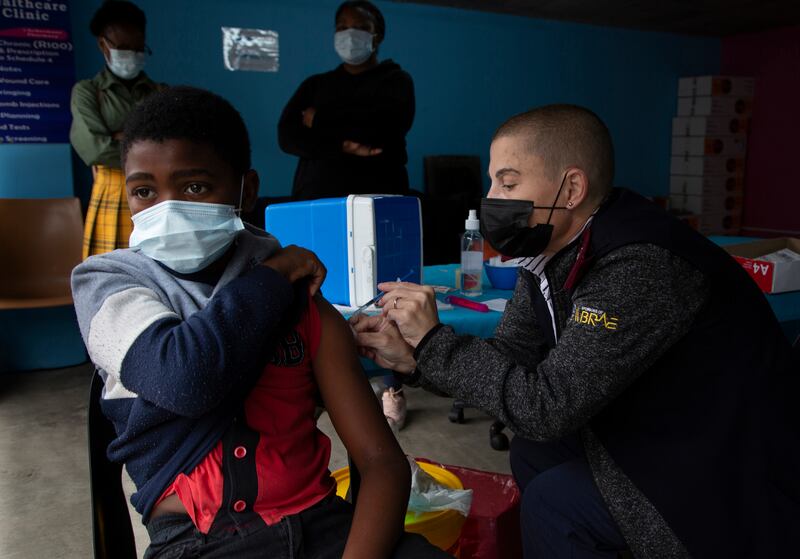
(40, 243)
(497, 439)
(111, 521)
(453, 186)
(453, 177)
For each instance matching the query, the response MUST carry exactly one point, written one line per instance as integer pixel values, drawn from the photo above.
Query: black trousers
(563, 514)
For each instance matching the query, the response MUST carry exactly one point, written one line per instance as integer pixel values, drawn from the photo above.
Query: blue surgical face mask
(353, 46)
(185, 236)
(125, 64)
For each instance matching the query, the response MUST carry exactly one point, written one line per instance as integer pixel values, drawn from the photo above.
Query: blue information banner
(37, 71)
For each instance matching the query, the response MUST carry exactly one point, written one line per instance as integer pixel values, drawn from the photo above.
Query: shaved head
(566, 136)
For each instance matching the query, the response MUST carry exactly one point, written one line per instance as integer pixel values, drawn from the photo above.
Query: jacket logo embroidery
(595, 318)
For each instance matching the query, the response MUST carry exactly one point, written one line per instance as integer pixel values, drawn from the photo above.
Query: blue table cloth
(786, 306)
(465, 321)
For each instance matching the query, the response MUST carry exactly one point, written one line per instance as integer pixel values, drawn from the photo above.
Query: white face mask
(353, 46)
(125, 64)
(185, 236)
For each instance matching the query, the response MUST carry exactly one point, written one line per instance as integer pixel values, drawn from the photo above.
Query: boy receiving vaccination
(213, 361)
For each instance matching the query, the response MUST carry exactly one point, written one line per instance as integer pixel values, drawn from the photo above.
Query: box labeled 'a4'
(774, 264)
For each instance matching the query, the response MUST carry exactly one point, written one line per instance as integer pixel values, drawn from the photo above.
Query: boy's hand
(295, 263)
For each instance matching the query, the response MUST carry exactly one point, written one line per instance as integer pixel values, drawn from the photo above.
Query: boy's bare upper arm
(348, 397)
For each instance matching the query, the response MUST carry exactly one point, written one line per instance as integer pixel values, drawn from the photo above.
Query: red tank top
(292, 454)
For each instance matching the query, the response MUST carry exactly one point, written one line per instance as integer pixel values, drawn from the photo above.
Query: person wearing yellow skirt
(99, 108)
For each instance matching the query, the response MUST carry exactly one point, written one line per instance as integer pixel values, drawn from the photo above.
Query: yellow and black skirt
(108, 219)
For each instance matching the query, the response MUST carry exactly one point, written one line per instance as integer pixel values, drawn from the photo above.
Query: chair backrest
(453, 176)
(111, 521)
(40, 244)
(453, 186)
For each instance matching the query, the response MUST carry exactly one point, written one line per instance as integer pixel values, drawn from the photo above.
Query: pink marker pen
(466, 303)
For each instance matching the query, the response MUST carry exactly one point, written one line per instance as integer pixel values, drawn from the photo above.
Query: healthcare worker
(645, 376)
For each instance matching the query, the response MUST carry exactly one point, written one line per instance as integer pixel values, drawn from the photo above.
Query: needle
(380, 294)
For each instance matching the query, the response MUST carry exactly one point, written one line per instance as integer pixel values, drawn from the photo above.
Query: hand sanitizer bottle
(472, 257)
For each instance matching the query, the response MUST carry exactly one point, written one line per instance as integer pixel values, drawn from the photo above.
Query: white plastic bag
(429, 495)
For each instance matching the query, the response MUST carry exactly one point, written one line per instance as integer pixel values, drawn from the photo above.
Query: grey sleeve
(517, 335)
(629, 309)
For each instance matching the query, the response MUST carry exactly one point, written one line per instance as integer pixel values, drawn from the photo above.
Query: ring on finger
(395, 302)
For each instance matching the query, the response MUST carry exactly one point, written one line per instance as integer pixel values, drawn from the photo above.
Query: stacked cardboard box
(709, 140)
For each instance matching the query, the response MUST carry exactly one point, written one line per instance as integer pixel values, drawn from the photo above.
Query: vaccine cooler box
(362, 240)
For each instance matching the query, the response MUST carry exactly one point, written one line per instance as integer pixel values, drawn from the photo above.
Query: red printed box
(706, 204)
(709, 126)
(716, 85)
(727, 223)
(705, 165)
(774, 275)
(714, 106)
(705, 145)
(706, 185)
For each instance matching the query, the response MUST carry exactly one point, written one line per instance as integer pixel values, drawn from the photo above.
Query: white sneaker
(394, 407)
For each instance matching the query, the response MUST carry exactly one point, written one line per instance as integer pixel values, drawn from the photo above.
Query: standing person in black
(348, 126)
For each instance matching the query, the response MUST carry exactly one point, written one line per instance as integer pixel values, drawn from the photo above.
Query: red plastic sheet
(491, 530)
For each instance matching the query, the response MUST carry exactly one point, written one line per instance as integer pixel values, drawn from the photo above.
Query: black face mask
(504, 223)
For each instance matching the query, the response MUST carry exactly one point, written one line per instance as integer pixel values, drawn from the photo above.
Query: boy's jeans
(319, 532)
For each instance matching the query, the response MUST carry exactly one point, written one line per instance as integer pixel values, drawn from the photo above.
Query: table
(464, 321)
(786, 306)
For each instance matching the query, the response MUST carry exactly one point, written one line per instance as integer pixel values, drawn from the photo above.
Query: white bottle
(472, 257)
